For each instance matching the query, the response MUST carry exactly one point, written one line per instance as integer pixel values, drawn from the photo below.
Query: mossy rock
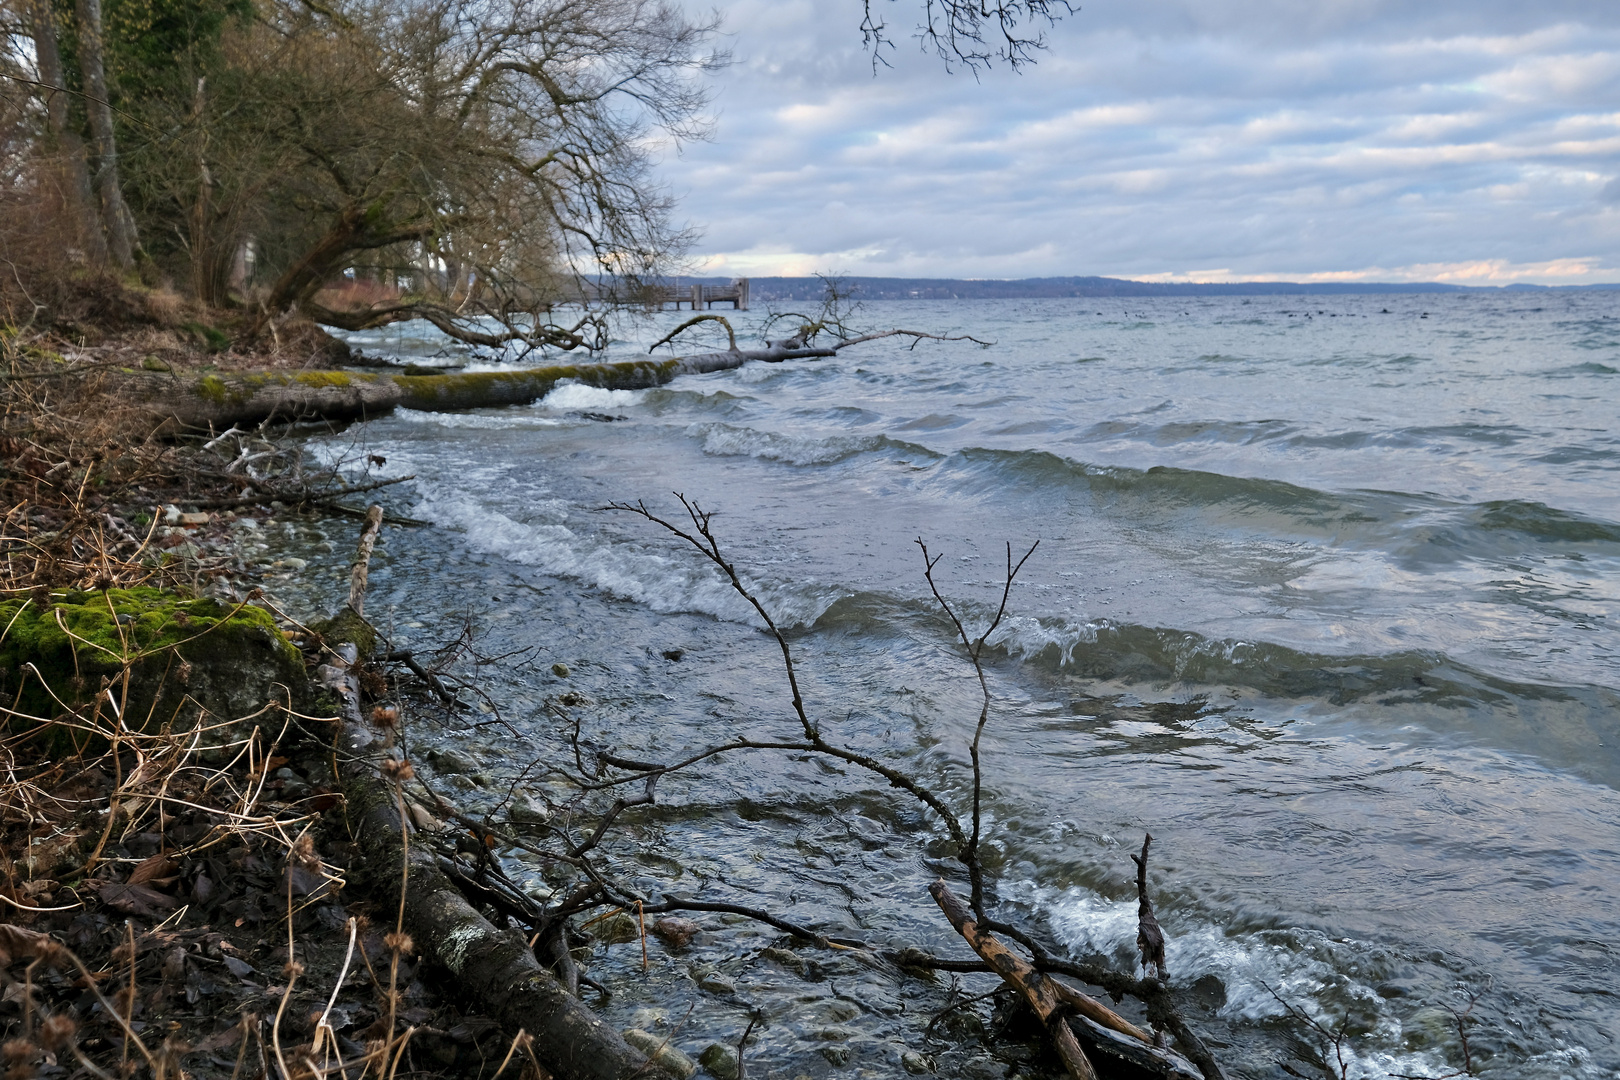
(189, 660)
(347, 626)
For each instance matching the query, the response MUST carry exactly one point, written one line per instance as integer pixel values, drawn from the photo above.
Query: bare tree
(64, 171)
(976, 34)
(484, 159)
(116, 218)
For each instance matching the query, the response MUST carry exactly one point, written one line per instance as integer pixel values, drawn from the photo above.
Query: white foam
(573, 395)
(663, 577)
(1305, 968)
(1027, 637)
(724, 440)
(500, 421)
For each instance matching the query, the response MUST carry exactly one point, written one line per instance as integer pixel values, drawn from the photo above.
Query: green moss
(212, 387)
(226, 658)
(346, 626)
(323, 378)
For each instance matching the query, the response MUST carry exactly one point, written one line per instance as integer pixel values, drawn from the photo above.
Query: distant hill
(880, 288)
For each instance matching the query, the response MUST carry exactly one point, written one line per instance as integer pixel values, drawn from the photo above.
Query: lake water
(1325, 599)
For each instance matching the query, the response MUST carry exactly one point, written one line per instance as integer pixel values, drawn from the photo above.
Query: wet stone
(720, 1060)
(676, 932)
(916, 1064)
(716, 983)
(527, 811)
(446, 762)
(785, 958)
(617, 929)
(835, 1010)
(837, 1056)
(665, 1056)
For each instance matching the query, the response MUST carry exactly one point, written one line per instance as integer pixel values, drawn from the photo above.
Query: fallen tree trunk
(221, 399)
(493, 971)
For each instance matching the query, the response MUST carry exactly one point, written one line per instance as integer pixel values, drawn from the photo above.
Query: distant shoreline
(883, 288)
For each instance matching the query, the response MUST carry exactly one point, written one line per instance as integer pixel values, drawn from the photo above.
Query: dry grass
(85, 477)
(150, 878)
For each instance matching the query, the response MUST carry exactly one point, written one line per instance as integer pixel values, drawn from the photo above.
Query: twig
(975, 651)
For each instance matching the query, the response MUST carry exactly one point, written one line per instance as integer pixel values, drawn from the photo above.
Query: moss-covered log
(220, 399)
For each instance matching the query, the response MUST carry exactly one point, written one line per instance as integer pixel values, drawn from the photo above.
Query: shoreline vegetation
(219, 859)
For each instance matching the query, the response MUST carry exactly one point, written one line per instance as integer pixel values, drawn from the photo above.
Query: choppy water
(1325, 598)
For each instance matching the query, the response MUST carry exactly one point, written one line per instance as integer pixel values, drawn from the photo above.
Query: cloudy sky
(1474, 141)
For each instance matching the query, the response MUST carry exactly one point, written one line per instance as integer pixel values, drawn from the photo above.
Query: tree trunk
(120, 224)
(353, 230)
(220, 400)
(64, 144)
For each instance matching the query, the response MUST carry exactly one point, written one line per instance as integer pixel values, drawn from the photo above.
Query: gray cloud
(1162, 136)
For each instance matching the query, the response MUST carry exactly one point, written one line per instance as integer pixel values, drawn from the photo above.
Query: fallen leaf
(202, 888)
(136, 899)
(240, 968)
(159, 869)
(303, 882)
(220, 1040)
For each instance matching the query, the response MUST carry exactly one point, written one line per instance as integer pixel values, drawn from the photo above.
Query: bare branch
(693, 321)
(915, 335)
(975, 651)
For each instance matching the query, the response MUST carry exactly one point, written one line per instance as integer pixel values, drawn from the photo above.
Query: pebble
(720, 1060)
(716, 983)
(675, 931)
(421, 818)
(661, 1053)
(527, 811)
(916, 1064)
(560, 670)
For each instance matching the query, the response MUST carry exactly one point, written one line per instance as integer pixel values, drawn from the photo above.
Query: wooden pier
(699, 297)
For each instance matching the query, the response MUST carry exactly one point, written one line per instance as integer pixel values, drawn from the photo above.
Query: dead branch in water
(1149, 934)
(1022, 975)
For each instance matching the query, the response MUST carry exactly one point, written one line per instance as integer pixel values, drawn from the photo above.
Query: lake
(1325, 598)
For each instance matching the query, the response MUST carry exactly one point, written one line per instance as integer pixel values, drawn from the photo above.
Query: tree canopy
(471, 162)
(474, 163)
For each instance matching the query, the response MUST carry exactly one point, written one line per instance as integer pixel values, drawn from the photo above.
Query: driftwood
(1070, 1016)
(1037, 989)
(491, 970)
